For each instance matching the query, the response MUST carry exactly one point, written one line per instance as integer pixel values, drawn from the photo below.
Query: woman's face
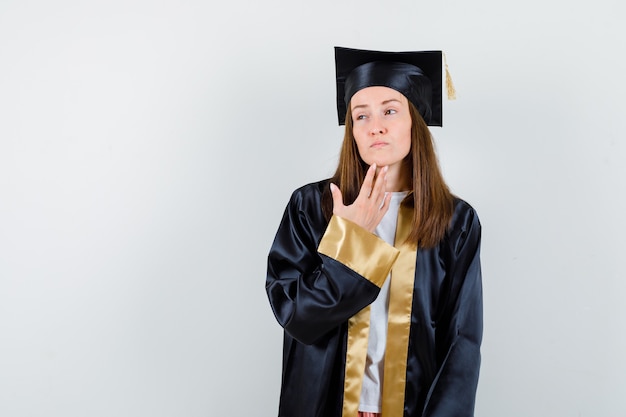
(381, 125)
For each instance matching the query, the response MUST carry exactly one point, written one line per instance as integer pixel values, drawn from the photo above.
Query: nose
(377, 127)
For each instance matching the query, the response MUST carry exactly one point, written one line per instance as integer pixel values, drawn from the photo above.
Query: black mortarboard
(417, 75)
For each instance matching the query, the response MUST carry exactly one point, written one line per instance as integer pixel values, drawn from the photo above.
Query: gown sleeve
(319, 275)
(459, 333)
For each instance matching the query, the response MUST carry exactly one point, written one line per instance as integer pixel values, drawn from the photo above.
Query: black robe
(323, 276)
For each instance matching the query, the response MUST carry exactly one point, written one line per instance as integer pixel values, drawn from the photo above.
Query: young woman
(375, 273)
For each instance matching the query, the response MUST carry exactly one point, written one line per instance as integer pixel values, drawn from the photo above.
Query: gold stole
(399, 324)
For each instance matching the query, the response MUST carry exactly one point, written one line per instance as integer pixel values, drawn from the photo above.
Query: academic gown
(323, 275)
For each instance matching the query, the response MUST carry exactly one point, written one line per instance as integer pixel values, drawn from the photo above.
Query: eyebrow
(383, 103)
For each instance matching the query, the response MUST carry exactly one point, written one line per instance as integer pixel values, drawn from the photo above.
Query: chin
(383, 162)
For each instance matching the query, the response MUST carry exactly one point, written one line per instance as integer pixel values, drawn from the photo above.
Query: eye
(360, 117)
(390, 111)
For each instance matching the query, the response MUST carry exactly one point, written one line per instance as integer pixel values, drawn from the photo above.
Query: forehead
(376, 95)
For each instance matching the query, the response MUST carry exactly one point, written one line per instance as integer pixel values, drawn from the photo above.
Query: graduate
(374, 274)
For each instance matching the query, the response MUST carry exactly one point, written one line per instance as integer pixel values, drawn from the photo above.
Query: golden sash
(399, 324)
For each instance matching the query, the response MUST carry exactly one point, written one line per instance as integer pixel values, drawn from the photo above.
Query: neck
(396, 179)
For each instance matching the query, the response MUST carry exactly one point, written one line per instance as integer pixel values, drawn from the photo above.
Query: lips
(379, 144)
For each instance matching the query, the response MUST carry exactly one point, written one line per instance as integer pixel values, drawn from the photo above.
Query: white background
(148, 148)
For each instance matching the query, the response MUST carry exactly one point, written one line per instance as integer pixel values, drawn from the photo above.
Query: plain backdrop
(148, 149)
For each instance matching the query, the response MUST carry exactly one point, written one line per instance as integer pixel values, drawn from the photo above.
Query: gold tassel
(449, 84)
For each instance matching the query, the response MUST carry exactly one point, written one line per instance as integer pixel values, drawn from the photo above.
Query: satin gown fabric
(314, 295)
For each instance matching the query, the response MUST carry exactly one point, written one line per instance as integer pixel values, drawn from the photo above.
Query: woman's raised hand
(370, 205)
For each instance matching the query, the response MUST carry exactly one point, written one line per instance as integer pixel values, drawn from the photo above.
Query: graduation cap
(417, 75)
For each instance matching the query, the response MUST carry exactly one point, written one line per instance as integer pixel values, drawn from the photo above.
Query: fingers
(381, 209)
(373, 183)
(378, 191)
(385, 205)
(337, 196)
(368, 182)
(371, 204)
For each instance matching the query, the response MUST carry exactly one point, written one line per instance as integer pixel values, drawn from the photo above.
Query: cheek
(406, 141)
(359, 139)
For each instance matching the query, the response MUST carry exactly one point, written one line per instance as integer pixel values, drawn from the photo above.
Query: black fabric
(313, 296)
